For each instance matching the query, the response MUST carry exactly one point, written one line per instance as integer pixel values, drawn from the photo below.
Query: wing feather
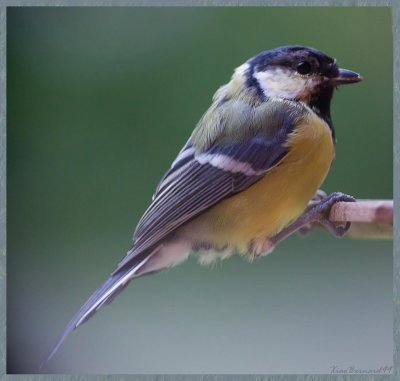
(198, 187)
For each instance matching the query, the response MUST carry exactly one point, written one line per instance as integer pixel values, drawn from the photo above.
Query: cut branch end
(369, 218)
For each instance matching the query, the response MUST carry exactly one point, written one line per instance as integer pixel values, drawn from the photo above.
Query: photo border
(395, 7)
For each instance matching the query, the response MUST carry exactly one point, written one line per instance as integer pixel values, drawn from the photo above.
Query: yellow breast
(279, 197)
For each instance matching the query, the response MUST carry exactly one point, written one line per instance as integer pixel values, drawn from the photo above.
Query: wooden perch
(369, 218)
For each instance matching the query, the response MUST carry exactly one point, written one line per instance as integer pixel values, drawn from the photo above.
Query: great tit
(245, 178)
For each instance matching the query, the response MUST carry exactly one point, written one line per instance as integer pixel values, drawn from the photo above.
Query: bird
(248, 176)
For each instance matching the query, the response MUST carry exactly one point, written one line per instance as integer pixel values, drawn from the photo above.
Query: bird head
(296, 72)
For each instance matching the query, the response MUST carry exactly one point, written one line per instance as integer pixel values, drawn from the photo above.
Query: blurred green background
(99, 102)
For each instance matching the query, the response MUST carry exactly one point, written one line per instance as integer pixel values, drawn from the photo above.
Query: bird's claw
(319, 215)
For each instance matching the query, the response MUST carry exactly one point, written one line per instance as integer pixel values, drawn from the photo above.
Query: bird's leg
(309, 227)
(317, 214)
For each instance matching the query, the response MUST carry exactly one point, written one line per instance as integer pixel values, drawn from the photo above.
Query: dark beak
(345, 77)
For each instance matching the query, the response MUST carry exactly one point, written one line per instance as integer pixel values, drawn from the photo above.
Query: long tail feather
(102, 296)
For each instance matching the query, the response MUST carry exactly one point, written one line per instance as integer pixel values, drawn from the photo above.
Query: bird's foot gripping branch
(317, 215)
(341, 215)
(365, 219)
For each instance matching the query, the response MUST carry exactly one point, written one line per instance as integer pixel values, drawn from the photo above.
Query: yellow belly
(278, 198)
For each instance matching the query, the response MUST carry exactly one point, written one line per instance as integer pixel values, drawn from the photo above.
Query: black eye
(303, 67)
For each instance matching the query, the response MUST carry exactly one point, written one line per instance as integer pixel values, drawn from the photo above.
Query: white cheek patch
(285, 84)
